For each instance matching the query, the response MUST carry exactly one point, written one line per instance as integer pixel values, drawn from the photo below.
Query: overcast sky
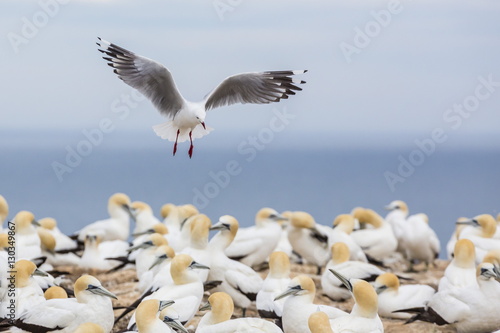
(378, 67)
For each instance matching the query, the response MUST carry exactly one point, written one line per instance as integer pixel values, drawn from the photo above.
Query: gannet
(309, 239)
(48, 245)
(144, 216)
(343, 226)
(144, 236)
(186, 289)
(144, 257)
(117, 226)
(218, 319)
(378, 242)
(27, 291)
(241, 282)
(27, 239)
(332, 286)
(283, 243)
(175, 218)
(147, 316)
(461, 272)
(470, 309)
(198, 243)
(159, 273)
(398, 213)
(393, 297)
(364, 314)
(299, 305)
(96, 253)
(4, 210)
(252, 246)
(481, 231)
(450, 246)
(63, 242)
(420, 242)
(276, 283)
(55, 292)
(89, 328)
(188, 118)
(92, 304)
(319, 323)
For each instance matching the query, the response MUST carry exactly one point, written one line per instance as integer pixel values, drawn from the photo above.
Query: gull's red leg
(190, 147)
(175, 144)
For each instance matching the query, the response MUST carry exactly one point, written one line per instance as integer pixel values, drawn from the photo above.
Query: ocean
(239, 179)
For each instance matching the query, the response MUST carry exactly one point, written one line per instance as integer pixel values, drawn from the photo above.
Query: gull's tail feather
(168, 131)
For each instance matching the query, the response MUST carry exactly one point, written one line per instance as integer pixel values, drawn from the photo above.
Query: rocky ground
(123, 285)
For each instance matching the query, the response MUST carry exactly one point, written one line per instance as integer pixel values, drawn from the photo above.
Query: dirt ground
(123, 284)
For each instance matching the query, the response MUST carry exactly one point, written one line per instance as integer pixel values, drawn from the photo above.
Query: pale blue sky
(399, 87)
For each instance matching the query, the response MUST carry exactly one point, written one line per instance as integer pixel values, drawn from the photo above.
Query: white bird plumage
(188, 118)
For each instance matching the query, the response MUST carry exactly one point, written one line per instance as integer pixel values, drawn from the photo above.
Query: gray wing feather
(149, 77)
(255, 88)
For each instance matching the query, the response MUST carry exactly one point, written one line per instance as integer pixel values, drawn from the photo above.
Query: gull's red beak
(203, 124)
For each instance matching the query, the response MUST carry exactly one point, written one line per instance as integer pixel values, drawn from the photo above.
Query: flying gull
(187, 119)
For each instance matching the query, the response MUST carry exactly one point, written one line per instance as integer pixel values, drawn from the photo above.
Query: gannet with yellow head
(117, 227)
(340, 262)
(299, 305)
(218, 319)
(241, 282)
(253, 245)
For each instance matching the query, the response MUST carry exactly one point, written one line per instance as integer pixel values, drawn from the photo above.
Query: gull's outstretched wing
(151, 78)
(256, 88)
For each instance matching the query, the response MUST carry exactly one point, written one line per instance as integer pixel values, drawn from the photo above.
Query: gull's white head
(464, 253)
(88, 287)
(340, 253)
(344, 222)
(55, 292)
(398, 205)
(319, 323)
(4, 209)
(386, 281)
(302, 286)
(279, 265)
